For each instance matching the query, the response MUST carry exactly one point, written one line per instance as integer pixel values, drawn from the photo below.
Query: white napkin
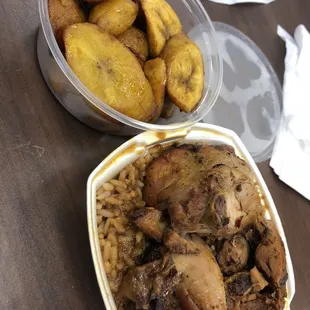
(291, 154)
(231, 2)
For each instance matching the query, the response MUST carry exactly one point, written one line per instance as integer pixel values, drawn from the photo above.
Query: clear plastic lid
(250, 100)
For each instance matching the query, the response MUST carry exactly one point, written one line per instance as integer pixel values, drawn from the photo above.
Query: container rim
(98, 103)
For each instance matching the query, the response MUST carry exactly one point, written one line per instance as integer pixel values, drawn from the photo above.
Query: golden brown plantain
(185, 72)
(155, 72)
(136, 41)
(114, 16)
(167, 110)
(109, 70)
(64, 13)
(162, 23)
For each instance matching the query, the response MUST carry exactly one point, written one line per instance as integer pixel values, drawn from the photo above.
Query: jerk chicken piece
(176, 244)
(270, 254)
(223, 155)
(172, 176)
(153, 251)
(255, 302)
(241, 294)
(238, 284)
(233, 255)
(202, 280)
(234, 202)
(207, 190)
(185, 300)
(167, 279)
(149, 221)
(185, 216)
(164, 303)
(273, 301)
(156, 279)
(137, 284)
(260, 303)
(173, 181)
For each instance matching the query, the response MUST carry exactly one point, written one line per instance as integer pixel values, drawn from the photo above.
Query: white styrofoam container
(135, 147)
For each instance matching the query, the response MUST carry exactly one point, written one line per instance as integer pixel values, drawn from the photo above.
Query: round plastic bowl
(92, 111)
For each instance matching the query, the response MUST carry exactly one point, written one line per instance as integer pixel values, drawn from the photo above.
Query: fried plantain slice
(64, 13)
(136, 41)
(162, 23)
(109, 70)
(114, 16)
(185, 72)
(155, 72)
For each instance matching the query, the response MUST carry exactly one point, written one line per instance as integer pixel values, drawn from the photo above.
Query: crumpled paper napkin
(231, 2)
(291, 155)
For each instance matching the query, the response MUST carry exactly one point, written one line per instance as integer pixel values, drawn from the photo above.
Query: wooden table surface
(46, 156)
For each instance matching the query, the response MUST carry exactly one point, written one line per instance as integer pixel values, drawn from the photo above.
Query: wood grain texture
(46, 156)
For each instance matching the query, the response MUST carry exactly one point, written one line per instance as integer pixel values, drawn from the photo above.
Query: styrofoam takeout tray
(134, 148)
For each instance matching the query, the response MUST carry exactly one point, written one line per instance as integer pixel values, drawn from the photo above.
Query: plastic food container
(132, 149)
(89, 109)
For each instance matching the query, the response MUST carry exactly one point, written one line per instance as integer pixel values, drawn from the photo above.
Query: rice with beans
(121, 242)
